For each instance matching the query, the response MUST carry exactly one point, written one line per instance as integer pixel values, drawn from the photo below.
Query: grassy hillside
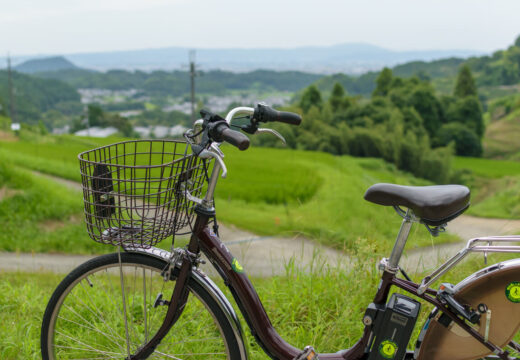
(495, 187)
(268, 191)
(34, 96)
(36, 215)
(503, 129)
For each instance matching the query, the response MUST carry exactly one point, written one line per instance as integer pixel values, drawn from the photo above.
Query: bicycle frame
(250, 305)
(204, 240)
(257, 319)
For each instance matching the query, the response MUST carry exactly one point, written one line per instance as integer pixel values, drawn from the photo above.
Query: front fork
(180, 292)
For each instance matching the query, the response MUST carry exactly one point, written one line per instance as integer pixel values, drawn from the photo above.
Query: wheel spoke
(107, 313)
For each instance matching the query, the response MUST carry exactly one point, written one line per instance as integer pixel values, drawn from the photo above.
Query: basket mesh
(135, 191)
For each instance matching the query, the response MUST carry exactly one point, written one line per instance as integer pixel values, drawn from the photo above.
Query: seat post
(400, 242)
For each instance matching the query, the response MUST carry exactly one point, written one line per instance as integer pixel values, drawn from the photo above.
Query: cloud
(22, 11)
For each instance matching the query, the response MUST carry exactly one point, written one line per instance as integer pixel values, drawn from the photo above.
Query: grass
(487, 168)
(322, 307)
(336, 215)
(56, 155)
(39, 216)
(268, 191)
(495, 187)
(499, 198)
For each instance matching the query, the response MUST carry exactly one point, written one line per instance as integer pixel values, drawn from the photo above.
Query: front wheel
(86, 317)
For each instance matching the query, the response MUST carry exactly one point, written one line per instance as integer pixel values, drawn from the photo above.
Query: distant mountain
(34, 96)
(352, 58)
(55, 63)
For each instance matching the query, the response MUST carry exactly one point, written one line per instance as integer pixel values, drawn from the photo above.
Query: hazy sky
(70, 26)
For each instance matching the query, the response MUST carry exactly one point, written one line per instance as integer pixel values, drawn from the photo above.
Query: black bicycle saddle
(434, 205)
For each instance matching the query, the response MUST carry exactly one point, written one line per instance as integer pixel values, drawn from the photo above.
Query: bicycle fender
(498, 287)
(204, 281)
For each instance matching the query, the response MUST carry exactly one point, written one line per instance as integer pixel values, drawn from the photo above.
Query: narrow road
(267, 256)
(466, 227)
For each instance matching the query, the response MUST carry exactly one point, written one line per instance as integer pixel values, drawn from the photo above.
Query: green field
(487, 168)
(267, 191)
(495, 187)
(36, 215)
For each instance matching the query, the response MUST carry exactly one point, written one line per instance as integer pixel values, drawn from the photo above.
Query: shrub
(466, 141)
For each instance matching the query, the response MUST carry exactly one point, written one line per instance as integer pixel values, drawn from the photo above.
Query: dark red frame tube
(253, 311)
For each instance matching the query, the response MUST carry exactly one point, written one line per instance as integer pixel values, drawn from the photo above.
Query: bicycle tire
(82, 320)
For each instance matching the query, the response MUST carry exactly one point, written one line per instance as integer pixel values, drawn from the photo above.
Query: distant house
(61, 131)
(177, 130)
(97, 132)
(129, 113)
(160, 131)
(143, 131)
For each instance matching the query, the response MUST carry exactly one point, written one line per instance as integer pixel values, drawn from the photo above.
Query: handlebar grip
(233, 137)
(264, 113)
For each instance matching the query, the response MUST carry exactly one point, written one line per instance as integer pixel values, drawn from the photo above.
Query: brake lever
(206, 154)
(271, 131)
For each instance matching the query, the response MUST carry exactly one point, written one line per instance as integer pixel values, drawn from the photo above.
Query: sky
(74, 26)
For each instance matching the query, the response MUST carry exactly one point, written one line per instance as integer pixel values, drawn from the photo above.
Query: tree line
(404, 122)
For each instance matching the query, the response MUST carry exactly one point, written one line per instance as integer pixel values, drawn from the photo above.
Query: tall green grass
(40, 216)
(321, 306)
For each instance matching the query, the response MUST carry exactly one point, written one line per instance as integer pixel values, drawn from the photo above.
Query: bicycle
(143, 302)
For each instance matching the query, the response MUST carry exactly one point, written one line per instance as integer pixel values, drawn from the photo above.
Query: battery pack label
(387, 349)
(513, 292)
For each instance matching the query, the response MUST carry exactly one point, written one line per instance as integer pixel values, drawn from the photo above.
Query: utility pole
(192, 78)
(12, 111)
(85, 111)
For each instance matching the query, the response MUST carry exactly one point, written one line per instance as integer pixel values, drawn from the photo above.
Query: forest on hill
(35, 96)
(405, 122)
(177, 83)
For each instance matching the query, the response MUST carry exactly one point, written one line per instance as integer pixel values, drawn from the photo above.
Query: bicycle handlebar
(235, 138)
(264, 113)
(208, 132)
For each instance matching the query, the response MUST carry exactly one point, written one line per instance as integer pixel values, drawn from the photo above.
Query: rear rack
(473, 245)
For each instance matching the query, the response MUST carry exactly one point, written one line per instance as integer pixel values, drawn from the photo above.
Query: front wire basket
(135, 191)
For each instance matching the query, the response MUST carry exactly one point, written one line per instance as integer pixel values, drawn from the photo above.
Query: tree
(96, 117)
(428, 106)
(2, 108)
(465, 85)
(311, 97)
(517, 41)
(122, 124)
(467, 111)
(384, 81)
(337, 99)
(466, 141)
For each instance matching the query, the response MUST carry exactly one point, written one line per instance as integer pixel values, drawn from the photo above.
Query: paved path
(260, 256)
(466, 227)
(267, 256)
